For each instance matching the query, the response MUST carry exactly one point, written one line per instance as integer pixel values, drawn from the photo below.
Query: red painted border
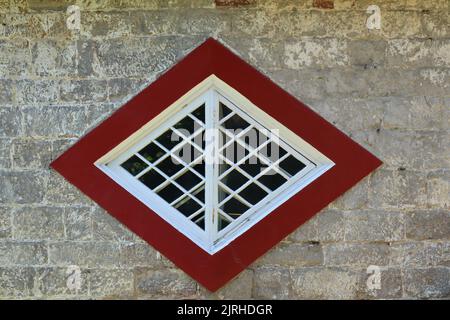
(352, 164)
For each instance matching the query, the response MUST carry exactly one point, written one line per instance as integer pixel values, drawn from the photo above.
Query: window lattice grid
(210, 202)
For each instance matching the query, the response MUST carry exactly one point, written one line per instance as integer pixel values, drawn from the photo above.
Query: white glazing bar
(209, 167)
(214, 178)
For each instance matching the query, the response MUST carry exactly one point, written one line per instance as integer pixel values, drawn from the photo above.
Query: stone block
(271, 283)
(266, 23)
(123, 89)
(356, 254)
(401, 24)
(163, 283)
(429, 283)
(238, 288)
(374, 225)
(10, 122)
(422, 150)
(293, 255)
(427, 225)
(111, 283)
(54, 58)
(326, 226)
(438, 189)
(15, 58)
(6, 92)
(54, 121)
(5, 222)
(210, 22)
(315, 52)
(78, 222)
(397, 189)
(88, 254)
(435, 23)
(417, 254)
(23, 253)
(59, 191)
(37, 92)
(16, 282)
(264, 54)
(367, 54)
(420, 113)
(38, 223)
(306, 232)
(106, 228)
(141, 57)
(142, 255)
(31, 153)
(106, 24)
(416, 53)
(324, 283)
(5, 153)
(355, 198)
(83, 91)
(329, 225)
(21, 186)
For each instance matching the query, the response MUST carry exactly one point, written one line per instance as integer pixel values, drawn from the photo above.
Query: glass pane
(187, 126)
(272, 151)
(199, 113)
(234, 180)
(152, 152)
(223, 110)
(291, 165)
(200, 193)
(223, 166)
(170, 166)
(234, 208)
(272, 180)
(222, 223)
(170, 193)
(253, 193)
(200, 220)
(188, 180)
(187, 206)
(235, 122)
(235, 152)
(134, 165)
(200, 167)
(222, 194)
(253, 138)
(152, 179)
(169, 139)
(252, 166)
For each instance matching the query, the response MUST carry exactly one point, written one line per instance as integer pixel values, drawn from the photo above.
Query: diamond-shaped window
(214, 165)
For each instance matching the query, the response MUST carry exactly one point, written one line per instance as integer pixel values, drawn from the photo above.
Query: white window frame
(209, 92)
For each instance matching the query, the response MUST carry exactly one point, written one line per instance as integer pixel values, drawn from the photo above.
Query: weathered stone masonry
(388, 89)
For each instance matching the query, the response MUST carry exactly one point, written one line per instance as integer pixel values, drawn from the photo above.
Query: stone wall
(388, 89)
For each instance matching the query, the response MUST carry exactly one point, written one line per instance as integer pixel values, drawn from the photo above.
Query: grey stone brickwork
(388, 89)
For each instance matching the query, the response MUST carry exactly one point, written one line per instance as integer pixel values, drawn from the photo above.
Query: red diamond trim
(352, 163)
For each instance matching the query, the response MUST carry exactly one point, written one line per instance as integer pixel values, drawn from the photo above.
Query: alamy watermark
(374, 279)
(74, 279)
